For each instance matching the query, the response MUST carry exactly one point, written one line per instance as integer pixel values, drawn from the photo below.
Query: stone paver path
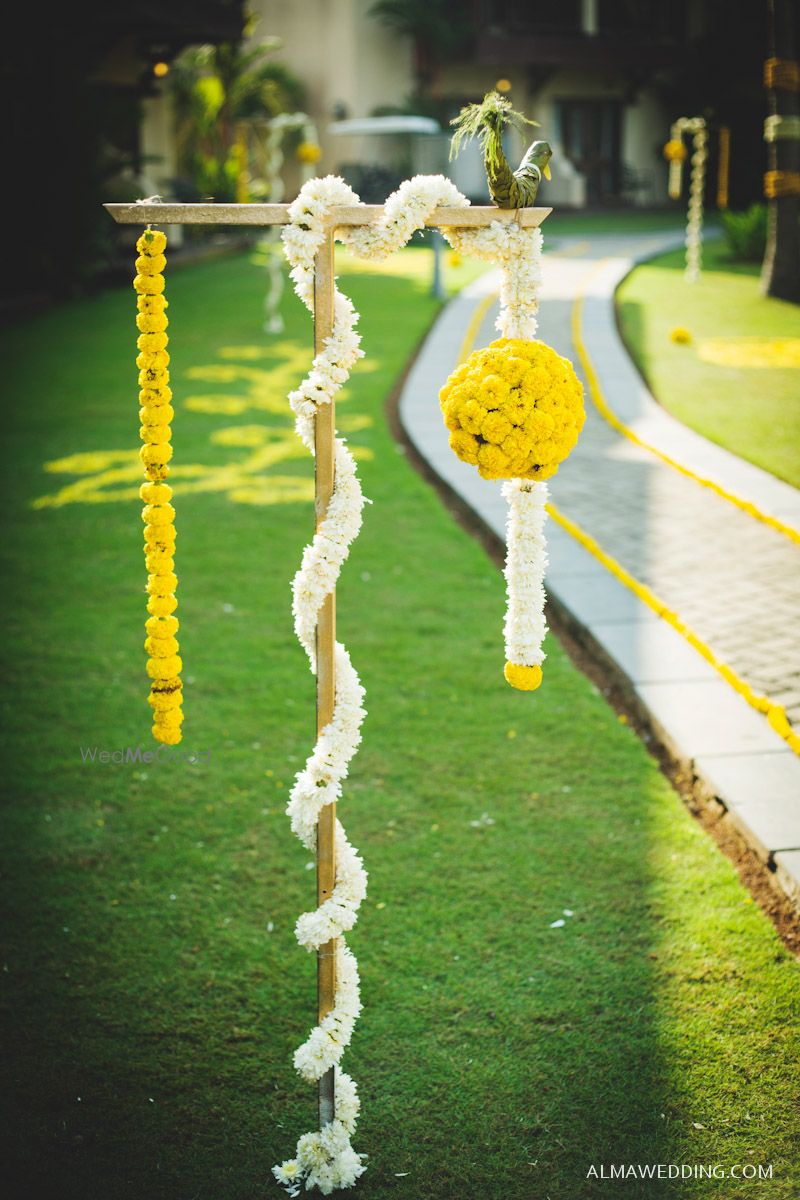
(733, 580)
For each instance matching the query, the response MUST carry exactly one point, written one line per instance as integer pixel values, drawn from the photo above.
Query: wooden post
(324, 447)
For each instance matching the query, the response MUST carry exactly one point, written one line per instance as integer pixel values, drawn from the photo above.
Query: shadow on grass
(150, 1010)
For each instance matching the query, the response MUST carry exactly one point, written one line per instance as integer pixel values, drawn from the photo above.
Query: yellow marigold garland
(163, 662)
(514, 410)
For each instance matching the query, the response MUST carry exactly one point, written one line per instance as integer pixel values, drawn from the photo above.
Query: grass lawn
(152, 989)
(724, 384)
(617, 221)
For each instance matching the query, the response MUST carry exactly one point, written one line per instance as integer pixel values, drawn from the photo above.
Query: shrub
(746, 233)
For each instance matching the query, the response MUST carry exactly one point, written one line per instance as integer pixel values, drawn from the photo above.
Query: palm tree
(213, 89)
(437, 28)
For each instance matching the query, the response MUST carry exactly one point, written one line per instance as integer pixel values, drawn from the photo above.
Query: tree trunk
(781, 272)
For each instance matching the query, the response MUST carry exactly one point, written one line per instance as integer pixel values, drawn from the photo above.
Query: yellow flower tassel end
(155, 413)
(524, 679)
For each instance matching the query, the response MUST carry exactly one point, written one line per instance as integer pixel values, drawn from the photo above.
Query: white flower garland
(519, 252)
(694, 216)
(325, 1158)
(277, 129)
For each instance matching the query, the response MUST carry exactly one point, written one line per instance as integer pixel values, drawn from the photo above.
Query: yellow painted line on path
(605, 410)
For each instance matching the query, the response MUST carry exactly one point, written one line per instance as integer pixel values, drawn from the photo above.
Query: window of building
(589, 134)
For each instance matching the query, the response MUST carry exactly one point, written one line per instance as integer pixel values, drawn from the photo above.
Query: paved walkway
(732, 580)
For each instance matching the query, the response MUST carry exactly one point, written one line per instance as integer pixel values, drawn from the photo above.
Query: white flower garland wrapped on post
(675, 152)
(326, 1158)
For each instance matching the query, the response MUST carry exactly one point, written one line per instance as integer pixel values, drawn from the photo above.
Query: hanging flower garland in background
(675, 153)
(163, 663)
(325, 1158)
(308, 154)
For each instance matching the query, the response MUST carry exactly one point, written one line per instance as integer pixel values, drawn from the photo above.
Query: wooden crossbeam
(341, 216)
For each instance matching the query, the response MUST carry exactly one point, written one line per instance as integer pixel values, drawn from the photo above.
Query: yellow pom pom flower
(525, 679)
(309, 152)
(675, 151)
(514, 409)
(161, 627)
(680, 336)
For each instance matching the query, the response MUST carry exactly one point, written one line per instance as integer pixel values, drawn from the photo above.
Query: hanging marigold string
(723, 166)
(781, 183)
(782, 74)
(163, 662)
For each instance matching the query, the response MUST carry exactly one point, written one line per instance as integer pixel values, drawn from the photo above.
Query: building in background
(605, 78)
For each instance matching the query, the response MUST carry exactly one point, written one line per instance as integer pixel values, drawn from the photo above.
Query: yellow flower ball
(152, 379)
(158, 455)
(680, 336)
(162, 627)
(170, 716)
(166, 734)
(150, 414)
(309, 152)
(151, 323)
(161, 606)
(164, 668)
(162, 701)
(151, 305)
(149, 285)
(150, 264)
(525, 679)
(153, 360)
(159, 563)
(161, 647)
(155, 397)
(155, 493)
(162, 585)
(158, 514)
(155, 435)
(152, 241)
(675, 150)
(159, 539)
(148, 342)
(514, 409)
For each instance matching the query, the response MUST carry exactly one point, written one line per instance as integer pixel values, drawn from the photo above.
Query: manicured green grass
(620, 221)
(152, 989)
(752, 410)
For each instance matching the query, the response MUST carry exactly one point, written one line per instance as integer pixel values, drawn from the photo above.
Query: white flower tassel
(519, 252)
(694, 216)
(694, 224)
(325, 1158)
(526, 561)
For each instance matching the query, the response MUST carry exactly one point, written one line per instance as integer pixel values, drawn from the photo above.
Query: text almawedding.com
(619, 1171)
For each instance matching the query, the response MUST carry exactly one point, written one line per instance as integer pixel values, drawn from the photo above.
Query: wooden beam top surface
(470, 217)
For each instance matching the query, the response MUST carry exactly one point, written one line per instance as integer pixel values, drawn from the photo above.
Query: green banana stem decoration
(486, 121)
